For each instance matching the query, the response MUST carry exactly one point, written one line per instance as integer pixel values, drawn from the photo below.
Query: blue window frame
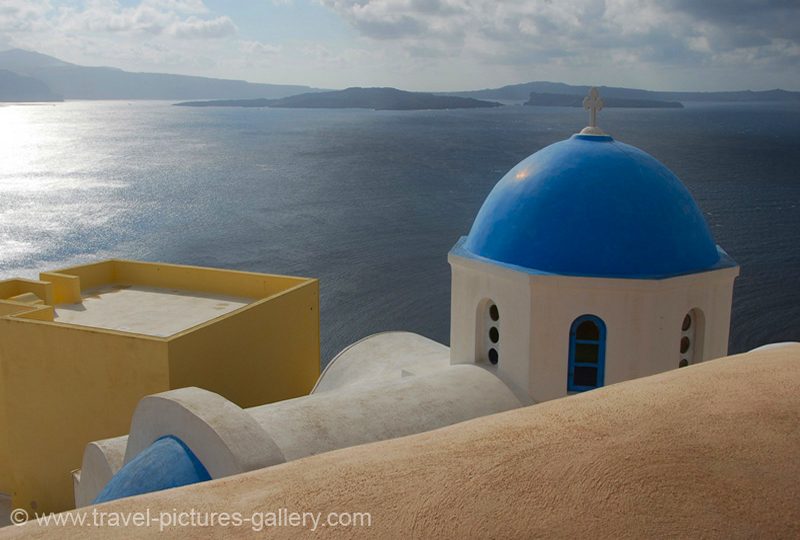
(587, 354)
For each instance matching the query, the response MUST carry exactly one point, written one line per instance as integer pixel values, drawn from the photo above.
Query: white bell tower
(588, 264)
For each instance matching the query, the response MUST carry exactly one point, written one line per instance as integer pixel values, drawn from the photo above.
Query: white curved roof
(383, 357)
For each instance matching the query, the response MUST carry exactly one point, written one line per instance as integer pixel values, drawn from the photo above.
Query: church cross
(593, 103)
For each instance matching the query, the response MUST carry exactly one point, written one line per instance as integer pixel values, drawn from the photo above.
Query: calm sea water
(369, 202)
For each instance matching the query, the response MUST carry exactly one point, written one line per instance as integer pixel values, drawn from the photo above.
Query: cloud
(258, 48)
(148, 34)
(427, 44)
(391, 19)
(21, 15)
(194, 27)
(179, 18)
(109, 17)
(92, 19)
(580, 32)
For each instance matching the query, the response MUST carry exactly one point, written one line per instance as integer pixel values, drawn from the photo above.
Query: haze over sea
(369, 202)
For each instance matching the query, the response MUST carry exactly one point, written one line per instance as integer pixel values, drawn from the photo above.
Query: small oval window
(494, 335)
(487, 337)
(687, 322)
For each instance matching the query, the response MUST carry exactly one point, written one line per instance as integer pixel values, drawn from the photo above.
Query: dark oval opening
(687, 322)
(494, 335)
(685, 343)
(493, 356)
(494, 313)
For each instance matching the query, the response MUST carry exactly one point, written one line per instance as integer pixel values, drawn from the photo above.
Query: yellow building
(80, 347)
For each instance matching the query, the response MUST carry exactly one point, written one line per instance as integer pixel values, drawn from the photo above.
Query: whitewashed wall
(643, 321)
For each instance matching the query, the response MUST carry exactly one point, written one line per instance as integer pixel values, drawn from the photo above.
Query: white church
(588, 264)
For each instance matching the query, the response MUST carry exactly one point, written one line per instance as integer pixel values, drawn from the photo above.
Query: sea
(369, 202)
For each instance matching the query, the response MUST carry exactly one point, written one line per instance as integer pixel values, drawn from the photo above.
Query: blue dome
(167, 463)
(592, 206)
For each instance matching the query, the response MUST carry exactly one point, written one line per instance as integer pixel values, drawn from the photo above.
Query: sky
(436, 45)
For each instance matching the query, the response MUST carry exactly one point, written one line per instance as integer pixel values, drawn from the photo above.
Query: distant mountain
(357, 98)
(81, 82)
(522, 92)
(568, 100)
(22, 61)
(14, 87)
(72, 81)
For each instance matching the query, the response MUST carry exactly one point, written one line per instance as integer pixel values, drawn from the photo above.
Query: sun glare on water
(20, 142)
(47, 185)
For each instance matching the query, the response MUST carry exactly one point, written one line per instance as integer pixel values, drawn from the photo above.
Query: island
(521, 93)
(378, 99)
(57, 79)
(566, 100)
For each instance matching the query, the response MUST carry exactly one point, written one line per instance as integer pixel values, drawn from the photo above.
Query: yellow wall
(38, 313)
(12, 308)
(13, 287)
(6, 482)
(268, 352)
(92, 275)
(195, 278)
(66, 288)
(230, 282)
(64, 387)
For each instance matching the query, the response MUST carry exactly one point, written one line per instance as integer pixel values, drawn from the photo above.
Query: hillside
(568, 100)
(522, 92)
(357, 98)
(14, 87)
(73, 81)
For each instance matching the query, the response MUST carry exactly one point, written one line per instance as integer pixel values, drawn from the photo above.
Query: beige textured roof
(712, 450)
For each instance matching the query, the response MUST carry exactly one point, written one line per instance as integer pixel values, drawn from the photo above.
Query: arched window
(587, 354)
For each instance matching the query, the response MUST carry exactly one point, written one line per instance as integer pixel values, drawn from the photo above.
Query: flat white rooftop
(146, 310)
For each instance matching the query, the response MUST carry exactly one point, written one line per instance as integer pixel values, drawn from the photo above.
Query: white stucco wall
(472, 284)
(382, 357)
(101, 461)
(330, 420)
(228, 440)
(643, 321)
